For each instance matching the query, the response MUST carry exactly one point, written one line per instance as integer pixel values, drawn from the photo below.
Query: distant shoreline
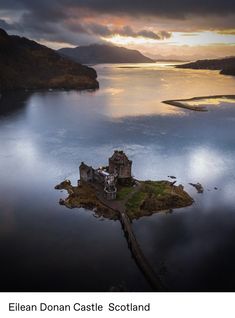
(180, 102)
(226, 65)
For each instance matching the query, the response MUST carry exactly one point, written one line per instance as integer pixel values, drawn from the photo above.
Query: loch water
(45, 135)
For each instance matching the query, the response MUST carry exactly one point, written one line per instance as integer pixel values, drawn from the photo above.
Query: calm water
(45, 135)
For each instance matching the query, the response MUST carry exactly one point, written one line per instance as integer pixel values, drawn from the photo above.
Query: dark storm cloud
(62, 29)
(148, 34)
(128, 31)
(161, 7)
(51, 20)
(10, 27)
(56, 9)
(4, 24)
(99, 29)
(104, 31)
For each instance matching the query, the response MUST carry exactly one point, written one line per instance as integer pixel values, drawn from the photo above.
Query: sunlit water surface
(45, 135)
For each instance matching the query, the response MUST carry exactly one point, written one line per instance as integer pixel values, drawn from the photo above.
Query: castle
(118, 172)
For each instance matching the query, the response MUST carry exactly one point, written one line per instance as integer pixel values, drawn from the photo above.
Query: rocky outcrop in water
(198, 187)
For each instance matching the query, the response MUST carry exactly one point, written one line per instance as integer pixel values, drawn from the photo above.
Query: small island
(112, 190)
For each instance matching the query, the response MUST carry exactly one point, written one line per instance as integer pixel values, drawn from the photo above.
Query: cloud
(176, 8)
(227, 32)
(164, 34)
(75, 33)
(57, 10)
(126, 30)
(82, 21)
(98, 29)
(161, 35)
(4, 24)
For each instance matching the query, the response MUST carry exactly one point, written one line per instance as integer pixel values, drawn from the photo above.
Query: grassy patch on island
(124, 192)
(153, 196)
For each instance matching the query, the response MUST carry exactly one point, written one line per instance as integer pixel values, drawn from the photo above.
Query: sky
(162, 29)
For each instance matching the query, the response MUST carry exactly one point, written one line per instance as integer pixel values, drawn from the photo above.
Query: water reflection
(195, 248)
(161, 82)
(48, 134)
(13, 102)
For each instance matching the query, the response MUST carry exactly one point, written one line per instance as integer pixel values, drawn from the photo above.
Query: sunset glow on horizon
(159, 30)
(177, 38)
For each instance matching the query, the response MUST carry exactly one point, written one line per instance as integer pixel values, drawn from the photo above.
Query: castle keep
(118, 172)
(120, 165)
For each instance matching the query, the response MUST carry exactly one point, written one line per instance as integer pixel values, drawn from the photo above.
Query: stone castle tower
(118, 172)
(120, 166)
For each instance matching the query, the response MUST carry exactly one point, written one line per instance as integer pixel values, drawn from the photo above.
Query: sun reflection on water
(127, 96)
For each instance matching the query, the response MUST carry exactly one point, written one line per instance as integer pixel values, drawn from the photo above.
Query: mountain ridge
(26, 64)
(104, 53)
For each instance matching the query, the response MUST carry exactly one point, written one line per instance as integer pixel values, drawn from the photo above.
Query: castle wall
(98, 177)
(86, 173)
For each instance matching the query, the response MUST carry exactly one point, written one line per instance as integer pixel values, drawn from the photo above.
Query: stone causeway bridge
(138, 255)
(133, 244)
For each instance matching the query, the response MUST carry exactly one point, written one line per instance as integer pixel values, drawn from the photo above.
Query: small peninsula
(226, 65)
(200, 103)
(112, 190)
(28, 65)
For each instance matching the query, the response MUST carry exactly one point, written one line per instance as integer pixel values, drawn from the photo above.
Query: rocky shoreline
(143, 198)
(226, 65)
